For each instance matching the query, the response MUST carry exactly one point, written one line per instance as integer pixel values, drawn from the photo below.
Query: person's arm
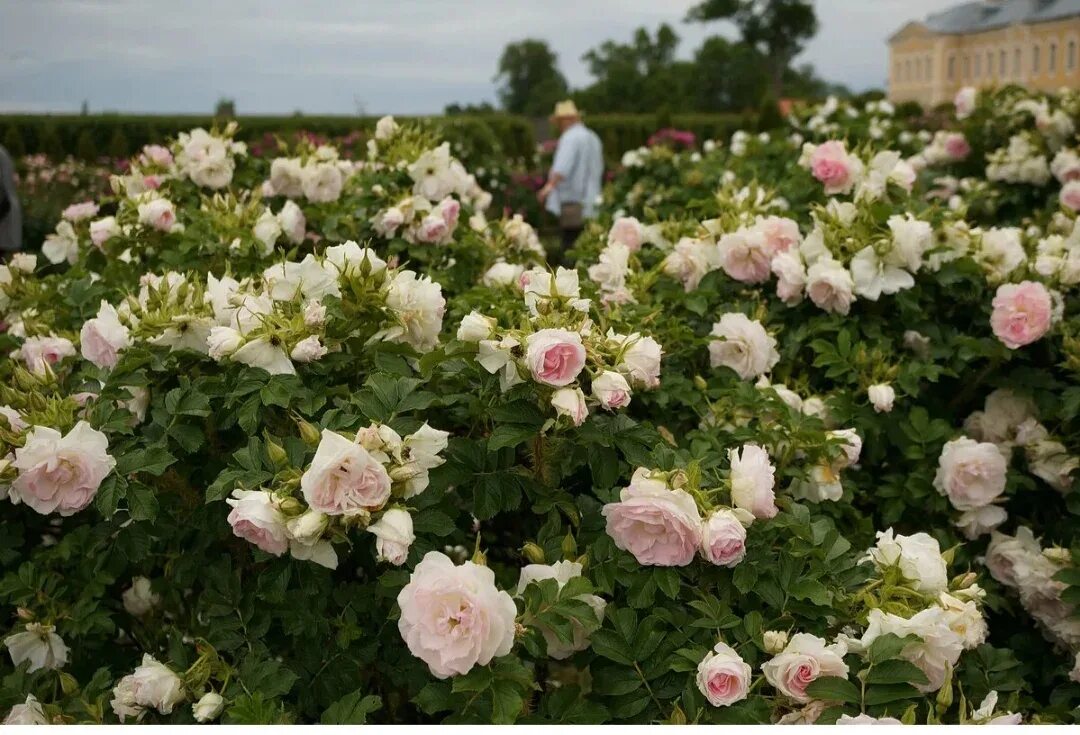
(553, 180)
(560, 167)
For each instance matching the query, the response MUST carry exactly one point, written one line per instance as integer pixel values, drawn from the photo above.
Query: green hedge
(92, 136)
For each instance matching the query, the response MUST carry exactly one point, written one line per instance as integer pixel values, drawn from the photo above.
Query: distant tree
(640, 76)
(85, 109)
(456, 108)
(225, 108)
(530, 82)
(777, 28)
(728, 76)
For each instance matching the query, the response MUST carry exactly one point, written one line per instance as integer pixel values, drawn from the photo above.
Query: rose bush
(298, 437)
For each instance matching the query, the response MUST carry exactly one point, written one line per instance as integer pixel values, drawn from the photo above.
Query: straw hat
(566, 108)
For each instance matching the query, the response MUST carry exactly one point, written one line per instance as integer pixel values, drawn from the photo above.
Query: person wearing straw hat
(573, 186)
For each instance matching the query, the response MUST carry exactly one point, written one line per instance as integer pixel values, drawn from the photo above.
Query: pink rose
(256, 518)
(723, 538)
(658, 525)
(103, 337)
(80, 211)
(432, 229)
(103, 229)
(831, 165)
(158, 154)
(555, 356)
(39, 353)
(805, 658)
(450, 209)
(1070, 195)
(745, 256)
(454, 617)
(957, 147)
(627, 231)
(160, 214)
(723, 677)
(570, 402)
(61, 473)
(1022, 313)
(344, 477)
(781, 234)
(151, 182)
(611, 390)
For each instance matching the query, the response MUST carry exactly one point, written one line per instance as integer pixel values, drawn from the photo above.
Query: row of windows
(972, 66)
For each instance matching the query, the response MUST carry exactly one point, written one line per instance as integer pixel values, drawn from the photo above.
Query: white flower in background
(433, 176)
(62, 245)
(562, 572)
(790, 275)
(208, 708)
(917, 556)
(639, 358)
(267, 353)
(321, 182)
(970, 474)
(454, 617)
(311, 278)
(753, 481)
(475, 327)
(830, 286)
(40, 645)
(41, 353)
(502, 274)
(745, 346)
(1000, 251)
(139, 599)
(393, 536)
(104, 337)
(28, 713)
(292, 222)
(353, 261)
(418, 304)
(938, 648)
(871, 276)
(152, 685)
(158, 213)
(286, 177)
(979, 521)
(570, 402)
(774, 641)
(691, 260)
(496, 357)
(881, 397)
(386, 127)
(267, 230)
(984, 714)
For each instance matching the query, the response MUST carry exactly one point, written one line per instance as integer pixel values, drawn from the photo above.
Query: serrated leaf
(833, 689)
(352, 709)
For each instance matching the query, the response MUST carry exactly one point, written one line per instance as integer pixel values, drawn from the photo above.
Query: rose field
(308, 433)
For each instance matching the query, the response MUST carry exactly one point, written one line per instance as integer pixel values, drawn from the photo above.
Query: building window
(1003, 59)
(989, 64)
(978, 65)
(907, 70)
(950, 69)
(928, 65)
(1035, 60)
(967, 66)
(1016, 63)
(896, 72)
(1070, 57)
(1051, 61)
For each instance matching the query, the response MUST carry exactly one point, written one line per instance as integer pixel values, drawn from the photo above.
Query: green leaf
(507, 435)
(885, 693)
(142, 502)
(109, 495)
(895, 671)
(352, 709)
(886, 647)
(833, 689)
(152, 461)
(269, 678)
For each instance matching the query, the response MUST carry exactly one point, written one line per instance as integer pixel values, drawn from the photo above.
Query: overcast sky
(344, 56)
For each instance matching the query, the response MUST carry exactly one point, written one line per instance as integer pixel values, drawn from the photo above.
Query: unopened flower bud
(24, 614)
(308, 433)
(699, 383)
(278, 457)
(1057, 554)
(569, 545)
(290, 506)
(533, 553)
(775, 641)
(963, 581)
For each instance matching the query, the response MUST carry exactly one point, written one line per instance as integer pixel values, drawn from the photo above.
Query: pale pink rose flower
(831, 165)
(781, 234)
(805, 658)
(256, 518)
(965, 102)
(41, 352)
(723, 538)
(61, 474)
(1022, 313)
(790, 276)
(103, 229)
(158, 154)
(104, 337)
(152, 182)
(454, 617)
(723, 677)
(752, 481)
(611, 390)
(745, 256)
(555, 356)
(79, 211)
(432, 229)
(658, 525)
(970, 474)
(627, 231)
(957, 147)
(15, 420)
(344, 478)
(570, 402)
(1070, 195)
(830, 286)
(160, 214)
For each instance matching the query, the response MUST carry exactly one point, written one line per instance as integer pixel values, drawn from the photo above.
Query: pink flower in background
(158, 154)
(723, 538)
(1070, 195)
(831, 165)
(957, 146)
(555, 356)
(1022, 313)
(658, 525)
(256, 518)
(80, 211)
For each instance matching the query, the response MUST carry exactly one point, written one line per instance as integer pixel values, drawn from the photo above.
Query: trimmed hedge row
(118, 136)
(90, 137)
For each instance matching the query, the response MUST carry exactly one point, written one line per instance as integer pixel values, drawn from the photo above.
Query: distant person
(10, 212)
(573, 186)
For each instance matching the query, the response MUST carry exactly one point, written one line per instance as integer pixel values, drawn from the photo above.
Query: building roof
(985, 15)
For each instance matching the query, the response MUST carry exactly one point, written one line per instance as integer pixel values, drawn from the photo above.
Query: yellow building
(1034, 43)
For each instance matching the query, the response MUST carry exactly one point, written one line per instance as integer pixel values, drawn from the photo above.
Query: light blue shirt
(579, 159)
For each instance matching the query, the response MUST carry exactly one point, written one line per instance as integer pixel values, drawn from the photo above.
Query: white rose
(611, 390)
(40, 645)
(344, 477)
(266, 354)
(158, 213)
(865, 719)
(41, 353)
(502, 274)
(918, 557)
(385, 127)
(418, 304)
(937, 650)
(309, 349)
(286, 177)
(151, 685)
(103, 230)
(639, 358)
(562, 572)
(393, 536)
(267, 230)
(475, 327)
(970, 474)
(208, 707)
(222, 342)
(139, 599)
(321, 182)
(570, 402)
(752, 481)
(453, 617)
(805, 658)
(723, 677)
(774, 640)
(881, 397)
(61, 474)
(830, 286)
(980, 521)
(256, 518)
(911, 238)
(61, 245)
(23, 262)
(28, 713)
(352, 260)
(104, 337)
(292, 222)
(965, 619)
(745, 346)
